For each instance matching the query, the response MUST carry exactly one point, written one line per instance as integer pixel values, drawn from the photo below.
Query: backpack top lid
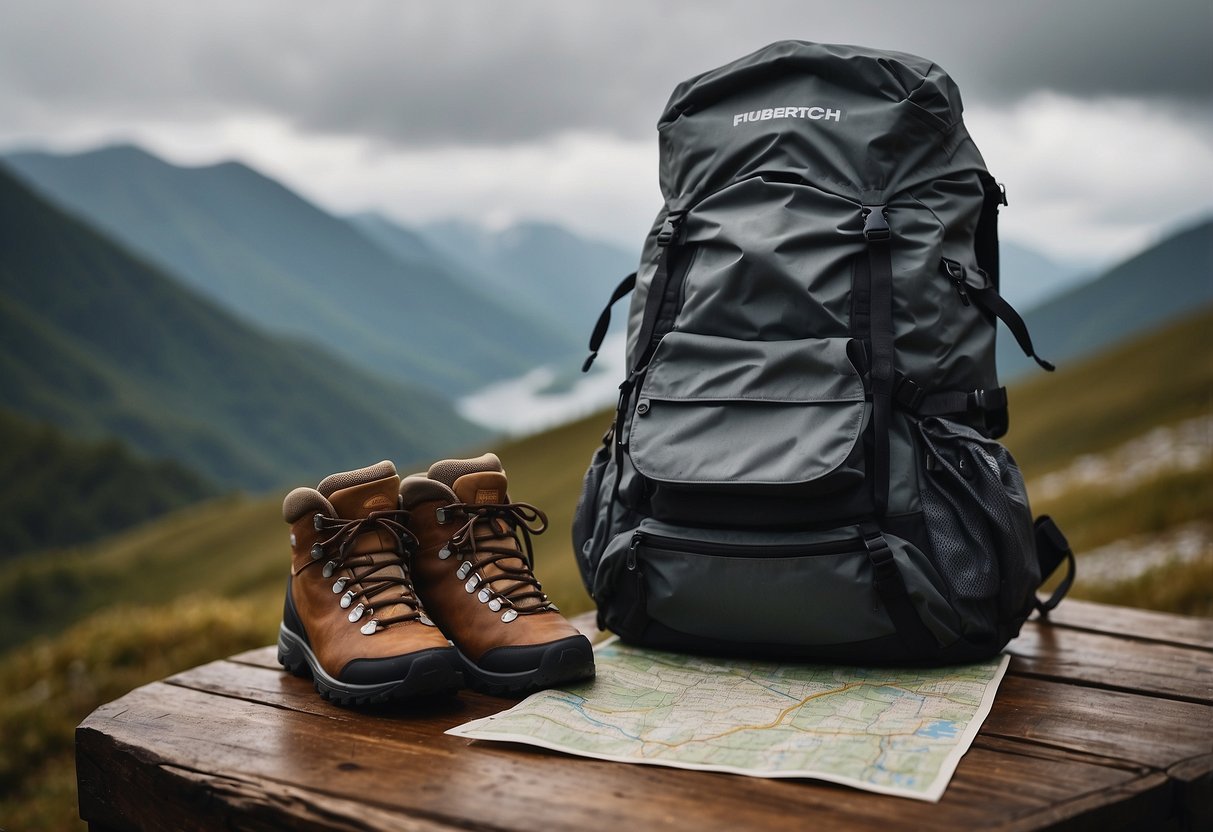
(854, 120)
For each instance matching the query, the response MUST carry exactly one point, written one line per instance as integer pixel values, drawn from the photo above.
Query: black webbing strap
(990, 406)
(660, 307)
(880, 273)
(1051, 549)
(992, 303)
(891, 589)
(985, 238)
(989, 299)
(604, 320)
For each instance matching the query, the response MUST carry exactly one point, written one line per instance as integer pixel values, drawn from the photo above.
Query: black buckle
(977, 401)
(909, 394)
(876, 223)
(880, 556)
(669, 229)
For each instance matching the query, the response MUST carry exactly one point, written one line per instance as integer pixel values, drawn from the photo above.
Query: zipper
(630, 562)
(780, 550)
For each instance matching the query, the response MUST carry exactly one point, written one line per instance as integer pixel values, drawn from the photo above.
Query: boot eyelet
(329, 569)
(483, 596)
(463, 570)
(495, 604)
(317, 551)
(509, 615)
(370, 627)
(347, 599)
(318, 522)
(340, 585)
(444, 553)
(472, 584)
(357, 612)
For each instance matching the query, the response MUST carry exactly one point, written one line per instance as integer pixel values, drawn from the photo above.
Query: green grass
(1096, 404)
(50, 685)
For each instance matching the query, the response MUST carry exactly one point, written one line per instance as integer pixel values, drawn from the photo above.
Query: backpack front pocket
(752, 432)
(777, 593)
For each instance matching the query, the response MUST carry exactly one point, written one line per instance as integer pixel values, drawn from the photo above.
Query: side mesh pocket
(979, 524)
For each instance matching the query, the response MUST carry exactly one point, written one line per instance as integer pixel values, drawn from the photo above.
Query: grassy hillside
(100, 343)
(57, 491)
(235, 547)
(1094, 404)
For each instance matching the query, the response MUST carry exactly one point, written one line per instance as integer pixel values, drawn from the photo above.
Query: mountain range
(102, 343)
(1170, 278)
(268, 255)
(543, 263)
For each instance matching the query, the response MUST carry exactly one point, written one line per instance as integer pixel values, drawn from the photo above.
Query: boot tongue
(358, 501)
(355, 494)
(483, 488)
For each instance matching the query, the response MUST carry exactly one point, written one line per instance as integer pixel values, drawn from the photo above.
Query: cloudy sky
(1096, 114)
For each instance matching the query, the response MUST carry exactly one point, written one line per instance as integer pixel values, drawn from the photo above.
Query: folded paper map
(899, 731)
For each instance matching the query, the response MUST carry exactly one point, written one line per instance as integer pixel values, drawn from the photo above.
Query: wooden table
(1104, 721)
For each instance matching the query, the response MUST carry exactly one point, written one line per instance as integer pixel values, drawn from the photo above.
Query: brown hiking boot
(474, 573)
(351, 618)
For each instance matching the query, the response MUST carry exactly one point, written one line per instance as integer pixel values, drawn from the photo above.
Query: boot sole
(432, 672)
(568, 660)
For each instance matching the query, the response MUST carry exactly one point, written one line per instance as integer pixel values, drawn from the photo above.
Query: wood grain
(1091, 729)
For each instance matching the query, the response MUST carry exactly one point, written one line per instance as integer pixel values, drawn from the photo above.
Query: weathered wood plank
(1122, 727)
(155, 795)
(1113, 662)
(1147, 625)
(422, 774)
(1137, 729)
(1103, 722)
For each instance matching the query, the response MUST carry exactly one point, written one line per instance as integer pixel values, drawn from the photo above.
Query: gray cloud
(485, 72)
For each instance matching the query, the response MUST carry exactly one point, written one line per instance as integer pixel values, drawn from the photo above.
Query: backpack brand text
(813, 113)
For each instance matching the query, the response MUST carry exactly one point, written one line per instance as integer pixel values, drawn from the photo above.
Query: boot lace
(370, 573)
(496, 534)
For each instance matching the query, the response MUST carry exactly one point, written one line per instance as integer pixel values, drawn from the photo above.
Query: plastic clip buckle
(669, 229)
(876, 223)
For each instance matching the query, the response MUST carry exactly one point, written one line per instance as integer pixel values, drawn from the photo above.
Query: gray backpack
(804, 462)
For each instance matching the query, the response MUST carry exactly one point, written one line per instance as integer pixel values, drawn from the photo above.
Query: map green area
(898, 731)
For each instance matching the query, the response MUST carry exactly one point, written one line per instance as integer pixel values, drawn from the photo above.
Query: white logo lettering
(811, 113)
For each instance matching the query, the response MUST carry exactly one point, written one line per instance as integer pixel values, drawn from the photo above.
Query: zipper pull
(956, 274)
(630, 562)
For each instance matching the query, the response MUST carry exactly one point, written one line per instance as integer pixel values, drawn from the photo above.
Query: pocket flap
(711, 368)
(720, 412)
